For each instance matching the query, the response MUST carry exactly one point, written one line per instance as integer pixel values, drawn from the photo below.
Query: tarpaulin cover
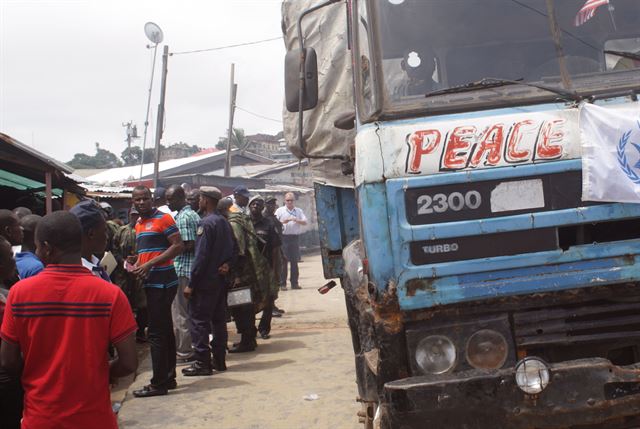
(326, 31)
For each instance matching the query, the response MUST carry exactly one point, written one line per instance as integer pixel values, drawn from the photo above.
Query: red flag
(587, 11)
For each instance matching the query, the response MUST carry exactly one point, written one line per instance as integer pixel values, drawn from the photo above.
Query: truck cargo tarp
(326, 32)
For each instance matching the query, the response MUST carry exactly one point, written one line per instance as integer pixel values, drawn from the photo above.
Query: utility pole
(160, 123)
(232, 109)
(132, 133)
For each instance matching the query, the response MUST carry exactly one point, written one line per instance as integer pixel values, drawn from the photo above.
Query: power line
(227, 46)
(259, 116)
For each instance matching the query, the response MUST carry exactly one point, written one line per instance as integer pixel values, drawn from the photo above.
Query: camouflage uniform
(112, 230)
(254, 270)
(124, 244)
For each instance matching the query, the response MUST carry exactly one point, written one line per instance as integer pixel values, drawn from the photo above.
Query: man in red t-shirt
(62, 322)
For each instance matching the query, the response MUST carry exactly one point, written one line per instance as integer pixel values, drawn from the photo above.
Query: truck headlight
(532, 375)
(436, 354)
(487, 349)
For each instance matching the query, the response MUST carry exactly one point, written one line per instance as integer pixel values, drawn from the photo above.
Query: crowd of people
(79, 288)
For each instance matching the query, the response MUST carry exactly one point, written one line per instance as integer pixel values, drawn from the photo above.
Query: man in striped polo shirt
(158, 242)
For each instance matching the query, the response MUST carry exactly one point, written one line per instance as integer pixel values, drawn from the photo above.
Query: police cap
(211, 192)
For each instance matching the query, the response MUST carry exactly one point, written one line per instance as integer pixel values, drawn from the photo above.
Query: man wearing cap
(269, 246)
(94, 235)
(207, 290)
(241, 197)
(158, 241)
(252, 270)
(293, 221)
(187, 222)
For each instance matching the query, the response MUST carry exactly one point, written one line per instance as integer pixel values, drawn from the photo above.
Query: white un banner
(610, 153)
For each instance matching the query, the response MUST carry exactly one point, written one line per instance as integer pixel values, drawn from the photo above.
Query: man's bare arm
(127, 360)
(10, 357)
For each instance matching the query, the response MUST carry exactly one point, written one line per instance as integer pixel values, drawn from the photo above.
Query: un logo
(623, 160)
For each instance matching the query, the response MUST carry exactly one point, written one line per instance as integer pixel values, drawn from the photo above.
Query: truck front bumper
(580, 393)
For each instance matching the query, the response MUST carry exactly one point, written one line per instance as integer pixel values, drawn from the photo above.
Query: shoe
(171, 384)
(150, 390)
(283, 288)
(243, 347)
(279, 310)
(275, 313)
(296, 287)
(185, 360)
(196, 369)
(265, 335)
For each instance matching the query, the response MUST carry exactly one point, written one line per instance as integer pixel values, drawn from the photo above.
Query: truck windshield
(428, 46)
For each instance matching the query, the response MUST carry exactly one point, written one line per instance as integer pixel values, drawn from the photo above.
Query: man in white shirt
(293, 222)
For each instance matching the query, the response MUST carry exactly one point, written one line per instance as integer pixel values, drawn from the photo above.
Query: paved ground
(308, 354)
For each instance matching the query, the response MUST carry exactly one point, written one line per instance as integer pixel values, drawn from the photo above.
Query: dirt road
(309, 354)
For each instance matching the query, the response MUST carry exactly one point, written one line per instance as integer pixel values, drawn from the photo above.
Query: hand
(188, 292)
(286, 221)
(142, 271)
(223, 269)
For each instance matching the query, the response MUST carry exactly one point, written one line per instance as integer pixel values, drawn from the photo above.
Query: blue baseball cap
(89, 213)
(242, 191)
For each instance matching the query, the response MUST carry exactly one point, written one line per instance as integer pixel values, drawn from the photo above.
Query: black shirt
(269, 238)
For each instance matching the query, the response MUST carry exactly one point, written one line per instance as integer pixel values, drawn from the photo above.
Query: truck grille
(599, 322)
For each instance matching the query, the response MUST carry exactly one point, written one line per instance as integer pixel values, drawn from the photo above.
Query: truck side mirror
(292, 80)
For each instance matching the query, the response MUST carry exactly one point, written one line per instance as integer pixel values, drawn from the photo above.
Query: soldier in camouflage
(252, 270)
(124, 244)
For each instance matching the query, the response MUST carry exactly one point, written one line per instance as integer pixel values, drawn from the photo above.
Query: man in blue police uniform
(207, 292)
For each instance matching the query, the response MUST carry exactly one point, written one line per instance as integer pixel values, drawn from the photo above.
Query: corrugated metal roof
(11, 180)
(37, 154)
(123, 174)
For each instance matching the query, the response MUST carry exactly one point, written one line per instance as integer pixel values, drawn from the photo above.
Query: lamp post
(155, 36)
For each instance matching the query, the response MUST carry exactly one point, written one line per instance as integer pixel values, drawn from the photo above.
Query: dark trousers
(161, 338)
(264, 327)
(11, 395)
(294, 273)
(208, 314)
(291, 251)
(245, 318)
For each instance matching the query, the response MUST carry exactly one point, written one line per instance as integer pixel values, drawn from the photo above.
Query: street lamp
(155, 35)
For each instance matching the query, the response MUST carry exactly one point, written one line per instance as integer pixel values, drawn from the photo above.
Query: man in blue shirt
(27, 262)
(214, 252)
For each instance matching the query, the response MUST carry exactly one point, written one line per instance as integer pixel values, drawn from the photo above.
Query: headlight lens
(487, 349)
(436, 354)
(532, 375)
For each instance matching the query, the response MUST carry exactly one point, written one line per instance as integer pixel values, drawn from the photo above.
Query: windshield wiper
(624, 54)
(490, 82)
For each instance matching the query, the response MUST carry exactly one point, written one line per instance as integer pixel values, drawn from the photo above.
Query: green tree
(132, 156)
(102, 159)
(238, 140)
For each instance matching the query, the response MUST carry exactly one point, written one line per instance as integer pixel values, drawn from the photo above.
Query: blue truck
(482, 290)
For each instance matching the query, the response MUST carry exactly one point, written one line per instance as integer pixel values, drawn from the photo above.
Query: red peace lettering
(457, 150)
(551, 132)
(421, 143)
(490, 144)
(512, 153)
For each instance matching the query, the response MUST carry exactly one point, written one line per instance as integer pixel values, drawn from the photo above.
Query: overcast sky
(72, 71)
